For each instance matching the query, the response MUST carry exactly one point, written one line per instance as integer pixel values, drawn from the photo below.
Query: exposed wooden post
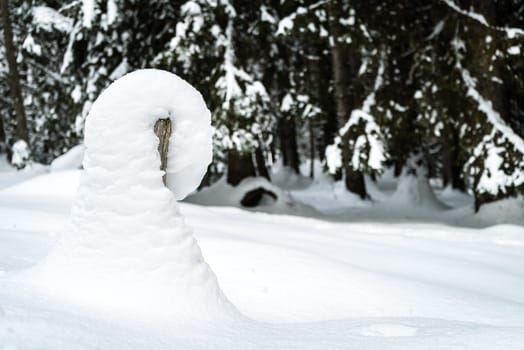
(163, 132)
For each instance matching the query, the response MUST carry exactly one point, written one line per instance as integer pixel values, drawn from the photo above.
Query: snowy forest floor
(338, 274)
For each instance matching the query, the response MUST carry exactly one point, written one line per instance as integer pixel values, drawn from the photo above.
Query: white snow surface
(302, 283)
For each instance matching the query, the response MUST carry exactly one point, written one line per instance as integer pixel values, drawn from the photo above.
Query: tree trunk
(311, 149)
(22, 132)
(261, 164)
(314, 81)
(451, 167)
(2, 136)
(163, 132)
(288, 143)
(341, 73)
(239, 167)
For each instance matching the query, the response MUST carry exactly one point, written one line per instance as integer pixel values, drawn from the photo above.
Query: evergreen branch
(477, 17)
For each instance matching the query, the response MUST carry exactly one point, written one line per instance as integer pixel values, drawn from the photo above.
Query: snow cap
(146, 96)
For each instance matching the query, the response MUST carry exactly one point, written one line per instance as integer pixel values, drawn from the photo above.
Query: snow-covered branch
(287, 23)
(49, 19)
(369, 145)
(491, 177)
(369, 102)
(510, 32)
(484, 105)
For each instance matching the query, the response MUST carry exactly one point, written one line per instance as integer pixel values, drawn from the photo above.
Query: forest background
(432, 88)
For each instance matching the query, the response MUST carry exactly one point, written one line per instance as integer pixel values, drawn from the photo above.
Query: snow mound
(414, 192)
(126, 244)
(327, 195)
(274, 200)
(504, 211)
(455, 198)
(374, 190)
(70, 160)
(286, 178)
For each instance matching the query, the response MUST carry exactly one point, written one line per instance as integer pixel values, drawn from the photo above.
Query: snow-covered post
(126, 236)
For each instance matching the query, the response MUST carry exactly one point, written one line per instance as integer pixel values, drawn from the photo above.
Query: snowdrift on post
(126, 244)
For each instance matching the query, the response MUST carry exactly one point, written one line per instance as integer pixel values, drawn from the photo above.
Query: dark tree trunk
(261, 164)
(355, 183)
(311, 149)
(22, 132)
(323, 98)
(447, 160)
(239, 167)
(288, 143)
(329, 131)
(2, 136)
(451, 166)
(398, 166)
(341, 73)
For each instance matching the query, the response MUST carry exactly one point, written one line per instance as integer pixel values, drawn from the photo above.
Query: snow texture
(125, 233)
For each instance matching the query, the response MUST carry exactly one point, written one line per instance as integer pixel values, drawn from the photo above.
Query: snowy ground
(357, 276)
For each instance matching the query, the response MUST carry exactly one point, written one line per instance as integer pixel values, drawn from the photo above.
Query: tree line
(360, 85)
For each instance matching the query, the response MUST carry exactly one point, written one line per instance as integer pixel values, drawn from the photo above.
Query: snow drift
(70, 160)
(126, 243)
(413, 189)
(415, 192)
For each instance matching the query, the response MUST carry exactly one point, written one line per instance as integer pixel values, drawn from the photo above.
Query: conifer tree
(210, 38)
